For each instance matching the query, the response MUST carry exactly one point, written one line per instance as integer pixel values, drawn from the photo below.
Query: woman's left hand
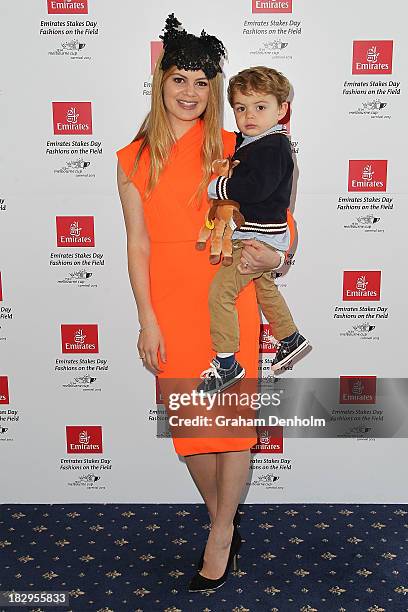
(257, 257)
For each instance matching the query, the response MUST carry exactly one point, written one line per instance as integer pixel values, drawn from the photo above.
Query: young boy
(262, 184)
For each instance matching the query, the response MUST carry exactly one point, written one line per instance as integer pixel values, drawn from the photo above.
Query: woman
(162, 180)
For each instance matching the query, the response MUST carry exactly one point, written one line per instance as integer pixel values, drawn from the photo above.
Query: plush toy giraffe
(221, 220)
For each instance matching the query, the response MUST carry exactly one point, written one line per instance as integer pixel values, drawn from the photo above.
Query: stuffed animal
(221, 220)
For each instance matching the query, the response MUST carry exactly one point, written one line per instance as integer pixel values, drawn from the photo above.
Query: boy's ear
(283, 110)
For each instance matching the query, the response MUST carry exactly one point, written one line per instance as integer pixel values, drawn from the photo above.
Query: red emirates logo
(79, 338)
(270, 440)
(1, 290)
(367, 175)
(72, 117)
(75, 232)
(84, 438)
(271, 6)
(267, 343)
(372, 57)
(65, 7)
(156, 47)
(362, 286)
(358, 389)
(4, 390)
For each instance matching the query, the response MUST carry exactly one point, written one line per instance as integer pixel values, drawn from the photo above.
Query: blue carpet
(139, 558)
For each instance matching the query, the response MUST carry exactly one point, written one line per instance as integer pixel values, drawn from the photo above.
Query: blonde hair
(259, 79)
(157, 136)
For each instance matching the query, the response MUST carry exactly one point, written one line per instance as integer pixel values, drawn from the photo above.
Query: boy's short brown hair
(259, 79)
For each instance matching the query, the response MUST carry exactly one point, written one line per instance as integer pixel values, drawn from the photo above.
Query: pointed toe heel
(201, 583)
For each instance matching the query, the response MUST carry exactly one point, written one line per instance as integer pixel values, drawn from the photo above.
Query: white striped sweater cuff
(221, 188)
(265, 228)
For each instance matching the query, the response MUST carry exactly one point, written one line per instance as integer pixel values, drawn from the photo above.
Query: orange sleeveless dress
(181, 276)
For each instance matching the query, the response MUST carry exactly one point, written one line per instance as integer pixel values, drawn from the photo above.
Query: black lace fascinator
(190, 52)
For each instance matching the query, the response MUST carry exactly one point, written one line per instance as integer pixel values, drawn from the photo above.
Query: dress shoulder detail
(127, 155)
(229, 140)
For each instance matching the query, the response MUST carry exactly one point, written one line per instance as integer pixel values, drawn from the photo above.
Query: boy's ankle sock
(226, 360)
(291, 337)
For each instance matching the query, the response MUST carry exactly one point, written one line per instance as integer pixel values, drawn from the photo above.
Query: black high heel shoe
(235, 521)
(201, 583)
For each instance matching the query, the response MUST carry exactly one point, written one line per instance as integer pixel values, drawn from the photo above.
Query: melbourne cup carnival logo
(360, 330)
(79, 338)
(271, 6)
(75, 231)
(65, 7)
(73, 45)
(365, 221)
(270, 440)
(373, 106)
(372, 57)
(362, 286)
(4, 390)
(84, 438)
(358, 389)
(72, 117)
(367, 175)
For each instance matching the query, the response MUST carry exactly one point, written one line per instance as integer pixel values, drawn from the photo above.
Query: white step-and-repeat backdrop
(78, 413)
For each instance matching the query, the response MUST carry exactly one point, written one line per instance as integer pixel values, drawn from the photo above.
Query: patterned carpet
(139, 558)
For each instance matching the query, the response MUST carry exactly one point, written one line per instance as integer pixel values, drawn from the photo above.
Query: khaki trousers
(224, 290)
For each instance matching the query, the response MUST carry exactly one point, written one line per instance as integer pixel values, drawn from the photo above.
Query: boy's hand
(257, 257)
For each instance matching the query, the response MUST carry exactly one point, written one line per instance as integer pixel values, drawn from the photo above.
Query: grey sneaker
(217, 379)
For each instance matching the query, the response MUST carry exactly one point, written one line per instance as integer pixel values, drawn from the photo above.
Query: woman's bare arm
(138, 252)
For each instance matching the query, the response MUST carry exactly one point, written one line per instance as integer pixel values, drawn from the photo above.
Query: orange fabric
(181, 275)
(292, 228)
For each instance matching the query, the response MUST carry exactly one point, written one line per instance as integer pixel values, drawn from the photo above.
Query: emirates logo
(361, 283)
(372, 57)
(79, 338)
(362, 286)
(75, 231)
(84, 439)
(67, 7)
(367, 175)
(72, 117)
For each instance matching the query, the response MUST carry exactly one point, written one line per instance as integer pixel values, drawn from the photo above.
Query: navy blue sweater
(261, 183)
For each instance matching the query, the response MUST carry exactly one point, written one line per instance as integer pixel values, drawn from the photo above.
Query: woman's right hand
(257, 257)
(149, 345)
